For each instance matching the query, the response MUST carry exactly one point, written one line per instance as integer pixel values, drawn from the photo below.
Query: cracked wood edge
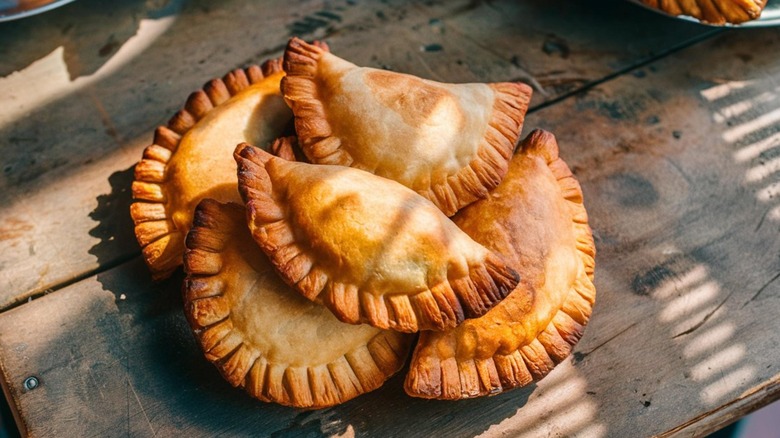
(710, 421)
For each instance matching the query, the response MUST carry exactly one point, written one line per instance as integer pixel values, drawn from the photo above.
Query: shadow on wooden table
(155, 368)
(114, 225)
(78, 26)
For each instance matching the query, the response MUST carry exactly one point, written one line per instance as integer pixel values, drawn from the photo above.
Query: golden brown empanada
(262, 335)
(191, 157)
(450, 143)
(712, 11)
(369, 248)
(537, 221)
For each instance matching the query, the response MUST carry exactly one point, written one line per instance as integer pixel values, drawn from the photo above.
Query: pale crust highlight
(536, 220)
(368, 248)
(448, 142)
(265, 338)
(717, 12)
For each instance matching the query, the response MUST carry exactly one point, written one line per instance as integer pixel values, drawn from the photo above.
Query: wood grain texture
(678, 161)
(679, 166)
(86, 84)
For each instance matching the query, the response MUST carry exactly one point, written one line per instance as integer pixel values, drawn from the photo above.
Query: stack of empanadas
(331, 211)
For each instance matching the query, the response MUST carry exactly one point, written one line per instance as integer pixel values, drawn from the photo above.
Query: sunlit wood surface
(672, 128)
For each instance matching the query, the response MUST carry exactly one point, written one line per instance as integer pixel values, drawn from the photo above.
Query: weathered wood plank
(69, 144)
(679, 165)
(678, 162)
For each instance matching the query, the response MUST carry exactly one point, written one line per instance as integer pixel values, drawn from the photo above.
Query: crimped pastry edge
(161, 243)
(308, 387)
(472, 182)
(453, 379)
(443, 306)
(716, 12)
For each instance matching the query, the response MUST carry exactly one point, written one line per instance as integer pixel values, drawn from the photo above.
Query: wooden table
(672, 128)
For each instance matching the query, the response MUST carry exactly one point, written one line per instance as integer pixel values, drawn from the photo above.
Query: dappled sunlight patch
(564, 408)
(58, 84)
(698, 297)
(695, 308)
(750, 113)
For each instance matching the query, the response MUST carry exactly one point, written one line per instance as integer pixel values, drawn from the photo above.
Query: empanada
(369, 248)
(537, 221)
(262, 335)
(448, 142)
(712, 11)
(191, 157)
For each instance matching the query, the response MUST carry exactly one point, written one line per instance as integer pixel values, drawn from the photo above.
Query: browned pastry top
(535, 219)
(450, 143)
(369, 248)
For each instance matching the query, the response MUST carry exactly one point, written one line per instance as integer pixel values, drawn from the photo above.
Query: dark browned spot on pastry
(410, 97)
(632, 190)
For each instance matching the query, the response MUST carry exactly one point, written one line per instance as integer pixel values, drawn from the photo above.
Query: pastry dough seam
(550, 346)
(470, 183)
(440, 307)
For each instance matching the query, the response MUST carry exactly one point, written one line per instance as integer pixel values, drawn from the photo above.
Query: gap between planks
(626, 70)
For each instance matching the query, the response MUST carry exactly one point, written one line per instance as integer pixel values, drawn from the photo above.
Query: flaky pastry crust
(536, 220)
(370, 249)
(712, 11)
(264, 337)
(191, 157)
(448, 142)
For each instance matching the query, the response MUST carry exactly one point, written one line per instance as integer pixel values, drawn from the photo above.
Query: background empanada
(712, 11)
